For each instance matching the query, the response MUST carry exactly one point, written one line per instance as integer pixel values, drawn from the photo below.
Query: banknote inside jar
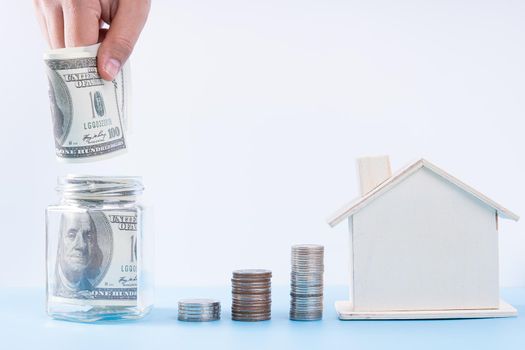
(97, 259)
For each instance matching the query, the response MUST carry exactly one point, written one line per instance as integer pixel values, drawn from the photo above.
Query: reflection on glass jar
(99, 250)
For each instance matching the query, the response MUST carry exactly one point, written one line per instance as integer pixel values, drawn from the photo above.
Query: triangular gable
(358, 204)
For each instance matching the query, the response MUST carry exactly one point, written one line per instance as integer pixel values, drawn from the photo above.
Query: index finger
(81, 23)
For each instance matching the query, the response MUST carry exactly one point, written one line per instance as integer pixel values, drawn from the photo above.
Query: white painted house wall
(425, 245)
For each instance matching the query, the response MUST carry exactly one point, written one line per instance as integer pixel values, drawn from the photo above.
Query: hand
(70, 23)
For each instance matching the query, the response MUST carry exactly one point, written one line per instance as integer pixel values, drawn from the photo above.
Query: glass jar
(99, 251)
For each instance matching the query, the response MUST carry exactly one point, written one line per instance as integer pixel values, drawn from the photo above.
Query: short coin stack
(251, 295)
(199, 310)
(307, 282)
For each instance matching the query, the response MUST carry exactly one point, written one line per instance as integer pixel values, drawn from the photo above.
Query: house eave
(359, 203)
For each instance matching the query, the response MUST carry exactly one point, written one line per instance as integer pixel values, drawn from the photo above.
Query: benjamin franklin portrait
(61, 106)
(84, 253)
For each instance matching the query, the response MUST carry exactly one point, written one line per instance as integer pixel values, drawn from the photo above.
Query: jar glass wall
(99, 250)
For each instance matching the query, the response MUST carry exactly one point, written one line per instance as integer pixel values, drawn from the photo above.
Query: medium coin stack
(307, 282)
(251, 295)
(199, 310)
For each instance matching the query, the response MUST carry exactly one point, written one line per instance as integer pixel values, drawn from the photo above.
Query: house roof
(361, 202)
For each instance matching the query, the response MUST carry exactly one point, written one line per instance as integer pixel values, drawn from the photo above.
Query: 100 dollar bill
(90, 115)
(97, 258)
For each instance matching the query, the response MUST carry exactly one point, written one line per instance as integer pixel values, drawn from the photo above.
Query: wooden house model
(423, 244)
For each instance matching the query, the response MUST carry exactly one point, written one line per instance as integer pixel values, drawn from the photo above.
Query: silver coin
(251, 302)
(306, 287)
(196, 314)
(300, 298)
(251, 319)
(306, 312)
(307, 259)
(308, 246)
(309, 301)
(313, 273)
(306, 291)
(252, 273)
(314, 269)
(198, 303)
(204, 314)
(305, 296)
(254, 303)
(251, 311)
(302, 252)
(249, 282)
(202, 307)
(309, 309)
(306, 284)
(252, 297)
(254, 293)
(251, 278)
(251, 306)
(260, 313)
(198, 311)
(306, 318)
(251, 292)
(196, 308)
(298, 303)
(252, 315)
(205, 319)
(252, 287)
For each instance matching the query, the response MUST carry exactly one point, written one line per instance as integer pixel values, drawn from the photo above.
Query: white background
(248, 117)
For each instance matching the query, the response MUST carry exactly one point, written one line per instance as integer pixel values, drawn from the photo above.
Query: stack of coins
(307, 282)
(251, 295)
(199, 310)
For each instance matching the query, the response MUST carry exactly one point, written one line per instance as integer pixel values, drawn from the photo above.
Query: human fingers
(54, 19)
(81, 22)
(121, 37)
(41, 19)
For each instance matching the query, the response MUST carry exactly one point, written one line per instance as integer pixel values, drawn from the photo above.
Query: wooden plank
(359, 203)
(413, 252)
(351, 258)
(372, 172)
(345, 312)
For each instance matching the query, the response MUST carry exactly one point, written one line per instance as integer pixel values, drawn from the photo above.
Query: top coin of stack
(307, 282)
(251, 295)
(199, 310)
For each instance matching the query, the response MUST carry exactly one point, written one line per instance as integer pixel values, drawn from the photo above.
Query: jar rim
(96, 187)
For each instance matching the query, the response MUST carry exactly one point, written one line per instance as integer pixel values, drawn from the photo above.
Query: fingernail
(112, 67)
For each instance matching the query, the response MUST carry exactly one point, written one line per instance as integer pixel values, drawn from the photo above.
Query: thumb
(121, 37)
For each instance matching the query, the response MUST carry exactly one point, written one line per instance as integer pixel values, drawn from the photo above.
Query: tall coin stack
(199, 310)
(307, 282)
(251, 295)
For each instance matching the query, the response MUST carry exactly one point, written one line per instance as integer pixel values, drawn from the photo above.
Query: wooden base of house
(345, 312)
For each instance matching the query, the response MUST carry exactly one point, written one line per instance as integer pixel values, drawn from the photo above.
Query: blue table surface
(24, 325)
